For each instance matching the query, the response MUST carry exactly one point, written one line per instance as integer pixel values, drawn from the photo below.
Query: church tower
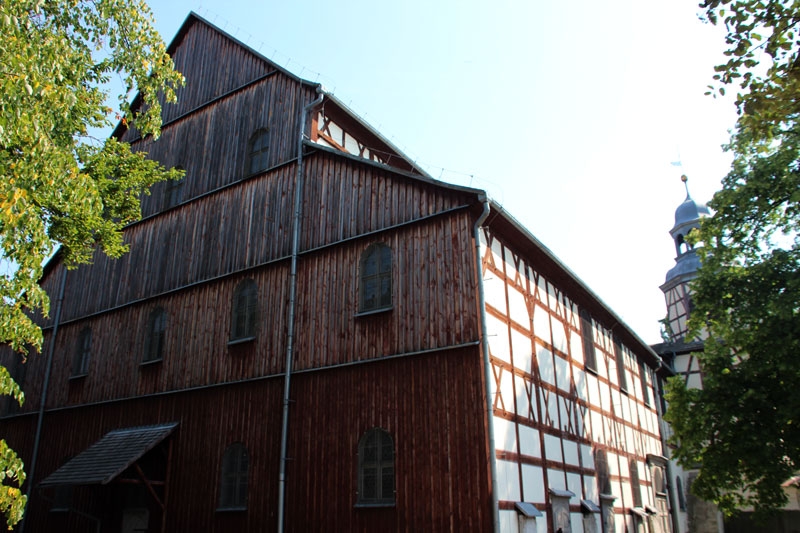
(676, 285)
(693, 514)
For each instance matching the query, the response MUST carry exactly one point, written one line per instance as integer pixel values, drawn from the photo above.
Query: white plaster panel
(681, 363)
(580, 383)
(605, 396)
(590, 486)
(552, 448)
(505, 434)
(556, 479)
(694, 382)
(517, 308)
(576, 522)
(541, 323)
(552, 409)
(522, 350)
(497, 253)
(545, 360)
(507, 390)
(533, 483)
(630, 441)
(597, 430)
(494, 290)
(509, 522)
(552, 297)
(578, 415)
(498, 338)
(613, 464)
(507, 481)
(576, 347)
(559, 335)
(541, 289)
(563, 416)
(587, 458)
(571, 454)
(592, 387)
(563, 376)
(529, 442)
(524, 408)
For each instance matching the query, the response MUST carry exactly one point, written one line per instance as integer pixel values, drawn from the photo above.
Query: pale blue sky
(566, 113)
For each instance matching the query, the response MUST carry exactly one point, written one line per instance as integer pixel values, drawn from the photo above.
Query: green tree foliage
(743, 426)
(59, 186)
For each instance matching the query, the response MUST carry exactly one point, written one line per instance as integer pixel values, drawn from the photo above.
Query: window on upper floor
(643, 374)
(587, 338)
(83, 352)
(636, 485)
(244, 311)
(233, 481)
(376, 468)
(375, 279)
(258, 152)
(620, 356)
(173, 192)
(155, 336)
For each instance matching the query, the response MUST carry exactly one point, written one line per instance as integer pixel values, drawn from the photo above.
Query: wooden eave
(401, 173)
(508, 229)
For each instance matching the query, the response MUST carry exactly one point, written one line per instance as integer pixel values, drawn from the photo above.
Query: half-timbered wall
(552, 414)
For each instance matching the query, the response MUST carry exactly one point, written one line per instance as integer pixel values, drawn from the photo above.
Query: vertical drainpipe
(673, 496)
(50, 349)
(487, 368)
(298, 203)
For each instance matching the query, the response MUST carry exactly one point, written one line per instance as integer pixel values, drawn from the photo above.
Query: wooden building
(310, 333)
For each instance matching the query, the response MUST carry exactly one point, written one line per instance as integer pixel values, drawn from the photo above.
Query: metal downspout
(673, 497)
(487, 368)
(40, 418)
(298, 200)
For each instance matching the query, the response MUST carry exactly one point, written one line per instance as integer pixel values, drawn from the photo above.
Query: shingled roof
(107, 458)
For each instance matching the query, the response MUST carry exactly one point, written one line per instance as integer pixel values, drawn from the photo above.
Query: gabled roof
(107, 458)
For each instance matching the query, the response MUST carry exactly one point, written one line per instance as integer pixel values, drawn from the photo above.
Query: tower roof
(689, 213)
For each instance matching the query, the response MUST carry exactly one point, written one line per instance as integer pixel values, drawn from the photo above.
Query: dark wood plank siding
(344, 198)
(196, 351)
(212, 143)
(441, 468)
(431, 406)
(434, 295)
(238, 228)
(213, 65)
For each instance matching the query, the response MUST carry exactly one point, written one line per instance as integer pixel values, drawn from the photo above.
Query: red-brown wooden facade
(416, 370)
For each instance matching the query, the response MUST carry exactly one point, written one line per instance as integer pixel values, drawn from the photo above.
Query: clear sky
(569, 114)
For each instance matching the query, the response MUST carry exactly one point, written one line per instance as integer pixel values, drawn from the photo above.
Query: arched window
(587, 339)
(244, 309)
(258, 152)
(376, 468)
(83, 351)
(155, 336)
(375, 287)
(233, 481)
